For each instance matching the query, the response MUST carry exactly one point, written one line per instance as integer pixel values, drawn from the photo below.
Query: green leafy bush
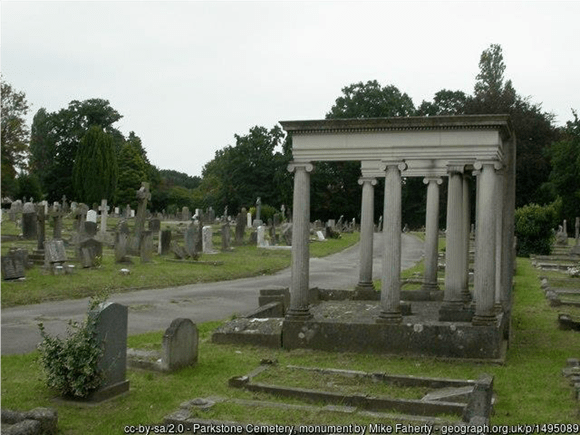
(534, 228)
(71, 363)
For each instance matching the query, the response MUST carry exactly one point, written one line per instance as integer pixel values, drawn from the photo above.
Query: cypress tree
(95, 169)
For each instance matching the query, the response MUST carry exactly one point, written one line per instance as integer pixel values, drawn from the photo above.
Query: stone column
(365, 282)
(431, 233)
(299, 290)
(484, 281)
(465, 294)
(391, 279)
(499, 258)
(454, 250)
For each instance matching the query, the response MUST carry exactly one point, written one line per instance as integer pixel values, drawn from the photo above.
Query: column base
(390, 318)
(430, 287)
(498, 308)
(484, 320)
(301, 315)
(365, 291)
(456, 311)
(466, 295)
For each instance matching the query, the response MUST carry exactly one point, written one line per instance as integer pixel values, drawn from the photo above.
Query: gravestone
(287, 233)
(54, 252)
(128, 212)
(143, 195)
(261, 239)
(104, 209)
(121, 242)
(29, 224)
(258, 220)
(226, 236)
(90, 228)
(40, 228)
(211, 215)
(91, 216)
(320, 236)
(190, 241)
(146, 246)
(576, 247)
(64, 205)
(111, 331)
(57, 223)
(12, 268)
(249, 220)
(240, 226)
(178, 251)
(185, 214)
(180, 343)
(164, 242)
(283, 211)
(123, 227)
(88, 251)
(207, 241)
(198, 236)
(117, 211)
(154, 225)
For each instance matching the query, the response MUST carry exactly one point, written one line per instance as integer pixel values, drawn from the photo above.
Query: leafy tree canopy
(56, 137)
(14, 136)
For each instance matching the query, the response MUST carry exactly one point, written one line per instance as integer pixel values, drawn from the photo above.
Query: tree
(564, 179)
(445, 102)
(95, 168)
(335, 188)
(14, 136)
(56, 137)
(239, 174)
(28, 186)
(132, 172)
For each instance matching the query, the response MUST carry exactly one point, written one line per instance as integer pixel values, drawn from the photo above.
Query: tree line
(78, 152)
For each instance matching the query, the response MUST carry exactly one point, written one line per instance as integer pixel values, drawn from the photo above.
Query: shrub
(534, 228)
(71, 363)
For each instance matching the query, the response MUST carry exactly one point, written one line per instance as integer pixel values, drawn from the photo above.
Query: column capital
(371, 180)
(455, 168)
(385, 164)
(432, 179)
(479, 164)
(307, 166)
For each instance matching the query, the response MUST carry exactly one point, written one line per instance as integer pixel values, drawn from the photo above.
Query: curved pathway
(153, 309)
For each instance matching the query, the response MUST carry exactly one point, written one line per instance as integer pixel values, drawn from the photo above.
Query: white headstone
(117, 211)
(92, 216)
(320, 235)
(262, 242)
(132, 213)
(249, 217)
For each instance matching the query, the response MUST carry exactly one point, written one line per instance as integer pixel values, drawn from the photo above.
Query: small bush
(534, 228)
(71, 364)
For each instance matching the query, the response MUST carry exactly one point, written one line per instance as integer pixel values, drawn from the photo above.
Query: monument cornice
(410, 123)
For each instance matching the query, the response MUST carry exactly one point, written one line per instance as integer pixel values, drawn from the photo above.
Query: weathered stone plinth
(351, 326)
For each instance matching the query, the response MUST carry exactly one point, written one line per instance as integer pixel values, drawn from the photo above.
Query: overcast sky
(187, 76)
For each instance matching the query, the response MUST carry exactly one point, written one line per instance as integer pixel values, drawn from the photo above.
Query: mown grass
(529, 387)
(242, 262)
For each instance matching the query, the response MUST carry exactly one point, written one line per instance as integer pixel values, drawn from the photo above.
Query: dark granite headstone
(111, 331)
(29, 225)
(88, 250)
(165, 242)
(12, 268)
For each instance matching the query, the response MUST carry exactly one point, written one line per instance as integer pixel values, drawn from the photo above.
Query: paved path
(154, 309)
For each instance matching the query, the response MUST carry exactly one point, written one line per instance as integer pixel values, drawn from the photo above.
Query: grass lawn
(244, 261)
(529, 387)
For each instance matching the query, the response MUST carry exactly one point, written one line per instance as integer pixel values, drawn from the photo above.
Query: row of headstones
(562, 235)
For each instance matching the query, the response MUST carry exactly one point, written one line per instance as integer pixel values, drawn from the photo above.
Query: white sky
(187, 76)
